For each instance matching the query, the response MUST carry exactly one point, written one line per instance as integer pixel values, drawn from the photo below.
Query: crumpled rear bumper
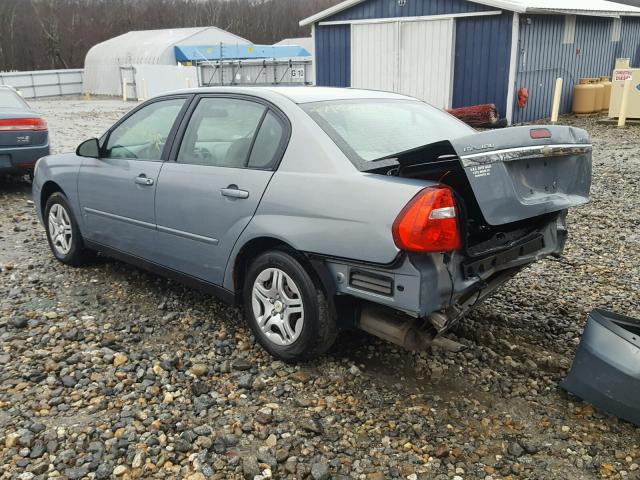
(606, 368)
(420, 284)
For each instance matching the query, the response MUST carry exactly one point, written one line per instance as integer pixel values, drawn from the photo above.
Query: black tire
(77, 255)
(319, 329)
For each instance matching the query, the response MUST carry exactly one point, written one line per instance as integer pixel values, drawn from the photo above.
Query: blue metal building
(455, 53)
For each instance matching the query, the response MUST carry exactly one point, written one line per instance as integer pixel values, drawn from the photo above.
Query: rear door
(117, 191)
(211, 189)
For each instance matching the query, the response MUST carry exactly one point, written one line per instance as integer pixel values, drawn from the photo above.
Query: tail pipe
(408, 332)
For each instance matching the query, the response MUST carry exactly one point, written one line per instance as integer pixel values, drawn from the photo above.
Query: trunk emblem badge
(472, 148)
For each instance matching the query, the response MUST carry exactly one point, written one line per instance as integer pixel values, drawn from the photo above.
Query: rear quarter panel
(318, 202)
(341, 216)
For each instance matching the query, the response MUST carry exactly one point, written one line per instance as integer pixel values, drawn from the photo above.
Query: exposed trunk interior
(440, 163)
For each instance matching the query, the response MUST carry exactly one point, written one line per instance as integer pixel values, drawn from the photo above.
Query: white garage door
(410, 57)
(374, 56)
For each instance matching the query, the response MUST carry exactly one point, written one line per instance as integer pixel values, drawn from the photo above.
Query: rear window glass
(10, 99)
(368, 130)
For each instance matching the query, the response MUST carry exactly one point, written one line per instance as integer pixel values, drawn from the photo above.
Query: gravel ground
(108, 371)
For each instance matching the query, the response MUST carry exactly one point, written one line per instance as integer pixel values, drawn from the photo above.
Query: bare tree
(41, 34)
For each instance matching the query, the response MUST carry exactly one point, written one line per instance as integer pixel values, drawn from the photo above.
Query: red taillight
(429, 222)
(22, 124)
(540, 133)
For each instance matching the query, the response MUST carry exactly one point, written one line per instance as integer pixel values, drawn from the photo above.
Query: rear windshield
(10, 99)
(368, 130)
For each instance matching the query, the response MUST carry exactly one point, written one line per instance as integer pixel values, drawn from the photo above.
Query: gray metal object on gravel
(606, 369)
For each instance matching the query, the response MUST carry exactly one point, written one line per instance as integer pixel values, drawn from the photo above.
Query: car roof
(303, 94)
(25, 105)
(324, 94)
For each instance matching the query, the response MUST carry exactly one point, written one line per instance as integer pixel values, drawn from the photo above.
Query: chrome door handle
(142, 179)
(233, 191)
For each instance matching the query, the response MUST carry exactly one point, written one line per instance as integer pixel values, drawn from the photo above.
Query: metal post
(275, 72)
(626, 90)
(141, 97)
(221, 66)
(124, 88)
(556, 101)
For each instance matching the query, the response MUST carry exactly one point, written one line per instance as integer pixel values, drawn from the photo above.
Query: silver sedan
(317, 209)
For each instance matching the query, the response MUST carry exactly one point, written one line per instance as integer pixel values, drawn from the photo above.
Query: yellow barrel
(584, 97)
(599, 89)
(607, 92)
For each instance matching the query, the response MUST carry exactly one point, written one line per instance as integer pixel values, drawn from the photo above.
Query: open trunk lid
(523, 172)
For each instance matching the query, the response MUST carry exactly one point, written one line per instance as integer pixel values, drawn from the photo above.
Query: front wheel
(287, 312)
(63, 233)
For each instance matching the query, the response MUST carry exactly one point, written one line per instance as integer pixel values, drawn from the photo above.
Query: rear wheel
(63, 233)
(285, 309)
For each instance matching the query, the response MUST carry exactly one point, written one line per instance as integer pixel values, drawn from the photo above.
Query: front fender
(57, 172)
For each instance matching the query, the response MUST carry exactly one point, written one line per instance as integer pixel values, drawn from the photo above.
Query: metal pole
(221, 66)
(124, 87)
(626, 89)
(275, 72)
(556, 101)
(141, 92)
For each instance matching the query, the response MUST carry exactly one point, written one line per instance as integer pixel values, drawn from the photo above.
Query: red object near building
(523, 97)
(478, 115)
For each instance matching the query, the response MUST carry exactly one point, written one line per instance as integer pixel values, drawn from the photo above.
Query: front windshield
(367, 130)
(9, 99)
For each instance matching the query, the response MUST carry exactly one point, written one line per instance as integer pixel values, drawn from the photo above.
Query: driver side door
(117, 190)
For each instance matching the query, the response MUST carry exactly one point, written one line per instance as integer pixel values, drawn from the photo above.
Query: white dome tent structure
(144, 47)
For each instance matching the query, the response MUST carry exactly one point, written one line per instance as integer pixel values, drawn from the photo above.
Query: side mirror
(89, 148)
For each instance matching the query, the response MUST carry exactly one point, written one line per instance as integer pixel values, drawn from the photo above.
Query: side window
(267, 144)
(220, 132)
(143, 135)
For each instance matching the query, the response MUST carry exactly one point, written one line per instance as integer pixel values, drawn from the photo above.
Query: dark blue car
(24, 136)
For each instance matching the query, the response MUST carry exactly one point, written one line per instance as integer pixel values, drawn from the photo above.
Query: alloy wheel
(60, 231)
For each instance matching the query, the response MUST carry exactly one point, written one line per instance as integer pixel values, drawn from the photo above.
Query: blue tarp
(194, 53)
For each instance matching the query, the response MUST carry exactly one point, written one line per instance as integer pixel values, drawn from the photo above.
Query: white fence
(145, 81)
(44, 83)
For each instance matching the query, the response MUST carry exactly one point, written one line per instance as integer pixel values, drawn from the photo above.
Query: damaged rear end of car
(493, 202)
